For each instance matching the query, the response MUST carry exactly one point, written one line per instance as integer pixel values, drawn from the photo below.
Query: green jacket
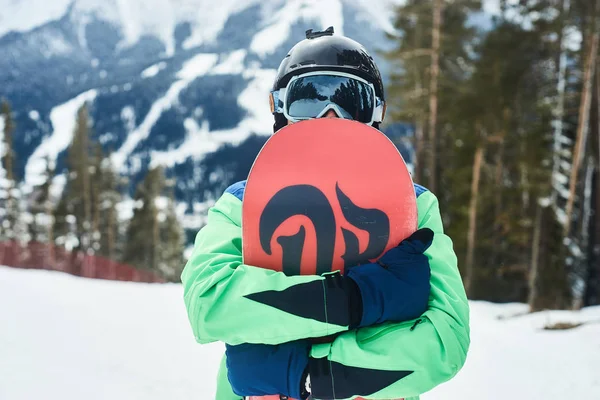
(217, 283)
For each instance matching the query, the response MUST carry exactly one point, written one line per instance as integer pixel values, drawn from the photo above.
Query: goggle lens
(309, 96)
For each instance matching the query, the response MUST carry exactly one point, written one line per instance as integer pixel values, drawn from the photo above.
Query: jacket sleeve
(400, 360)
(235, 303)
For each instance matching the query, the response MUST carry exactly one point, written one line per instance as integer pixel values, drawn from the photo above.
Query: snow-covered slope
(159, 18)
(67, 338)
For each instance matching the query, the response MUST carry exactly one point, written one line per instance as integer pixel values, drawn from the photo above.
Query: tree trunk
(592, 294)
(433, 92)
(582, 129)
(535, 256)
(548, 281)
(498, 223)
(156, 247)
(470, 261)
(418, 161)
(559, 110)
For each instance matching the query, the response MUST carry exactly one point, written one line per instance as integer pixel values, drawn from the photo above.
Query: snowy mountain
(178, 83)
(68, 338)
(169, 81)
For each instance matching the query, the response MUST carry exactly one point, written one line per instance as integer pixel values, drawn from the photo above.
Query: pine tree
(108, 197)
(41, 228)
(10, 228)
(64, 230)
(8, 158)
(508, 102)
(74, 211)
(96, 177)
(426, 51)
(434, 73)
(564, 256)
(143, 231)
(172, 242)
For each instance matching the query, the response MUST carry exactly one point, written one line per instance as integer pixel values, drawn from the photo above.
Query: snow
(563, 191)
(560, 178)
(233, 64)
(545, 201)
(573, 39)
(125, 208)
(53, 44)
(562, 139)
(561, 215)
(58, 184)
(566, 165)
(67, 338)
(255, 99)
(207, 20)
(63, 118)
(379, 13)
(573, 247)
(515, 358)
(200, 140)
(159, 18)
(135, 18)
(34, 115)
(128, 117)
(22, 15)
(278, 25)
(153, 70)
(196, 66)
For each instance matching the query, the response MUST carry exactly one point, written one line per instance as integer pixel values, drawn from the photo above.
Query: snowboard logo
(316, 210)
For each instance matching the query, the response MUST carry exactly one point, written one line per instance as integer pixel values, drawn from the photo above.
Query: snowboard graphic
(325, 195)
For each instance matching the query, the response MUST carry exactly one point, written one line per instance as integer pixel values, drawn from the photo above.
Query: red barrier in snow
(37, 255)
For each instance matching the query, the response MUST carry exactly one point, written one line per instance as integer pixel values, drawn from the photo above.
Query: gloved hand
(396, 287)
(261, 370)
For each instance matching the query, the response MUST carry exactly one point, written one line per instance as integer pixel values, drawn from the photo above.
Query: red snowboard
(324, 195)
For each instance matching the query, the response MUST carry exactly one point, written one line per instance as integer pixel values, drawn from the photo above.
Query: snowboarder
(402, 324)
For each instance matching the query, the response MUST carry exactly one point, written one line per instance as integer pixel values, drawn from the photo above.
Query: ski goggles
(313, 94)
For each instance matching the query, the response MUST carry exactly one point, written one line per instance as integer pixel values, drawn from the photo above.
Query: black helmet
(324, 51)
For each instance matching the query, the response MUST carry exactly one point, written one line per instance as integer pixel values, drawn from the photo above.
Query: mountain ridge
(162, 88)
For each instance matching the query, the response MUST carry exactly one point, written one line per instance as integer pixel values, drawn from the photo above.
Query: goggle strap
(379, 111)
(277, 97)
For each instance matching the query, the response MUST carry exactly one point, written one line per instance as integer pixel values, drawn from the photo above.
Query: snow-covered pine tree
(574, 173)
(73, 214)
